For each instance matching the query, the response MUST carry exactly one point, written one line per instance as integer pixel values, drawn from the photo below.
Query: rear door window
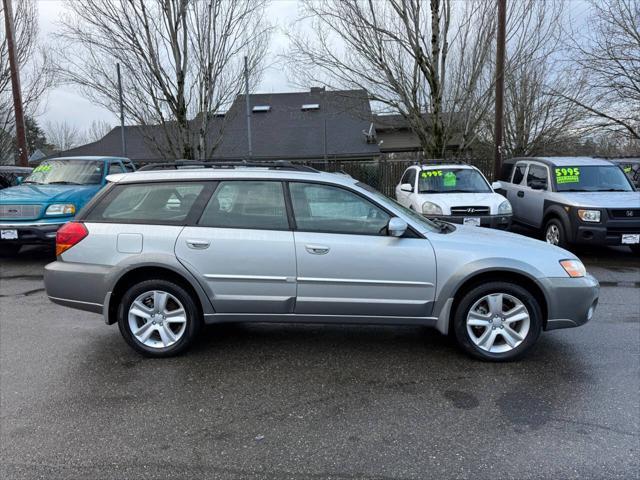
(518, 173)
(537, 177)
(151, 203)
(247, 204)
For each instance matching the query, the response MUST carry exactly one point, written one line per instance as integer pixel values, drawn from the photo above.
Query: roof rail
(194, 164)
(443, 161)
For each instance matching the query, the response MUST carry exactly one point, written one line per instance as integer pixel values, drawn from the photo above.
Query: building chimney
(317, 89)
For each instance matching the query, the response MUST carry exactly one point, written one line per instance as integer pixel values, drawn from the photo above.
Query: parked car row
(570, 200)
(161, 252)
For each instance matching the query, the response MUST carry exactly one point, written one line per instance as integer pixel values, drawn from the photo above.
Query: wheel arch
(516, 278)
(146, 272)
(560, 213)
(476, 274)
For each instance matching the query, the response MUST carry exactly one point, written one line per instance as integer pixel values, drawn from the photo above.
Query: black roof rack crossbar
(192, 164)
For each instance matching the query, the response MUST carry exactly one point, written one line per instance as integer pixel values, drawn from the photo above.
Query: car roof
(14, 168)
(431, 166)
(229, 173)
(567, 161)
(90, 158)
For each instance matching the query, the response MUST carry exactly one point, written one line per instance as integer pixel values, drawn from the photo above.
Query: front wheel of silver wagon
(158, 318)
(498, 321)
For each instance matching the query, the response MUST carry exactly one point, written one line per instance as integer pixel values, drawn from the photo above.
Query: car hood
(602, 199)
(467, 245)
(448, 200)
(40, 194)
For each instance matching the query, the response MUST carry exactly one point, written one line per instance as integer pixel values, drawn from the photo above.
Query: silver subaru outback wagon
(162, 253)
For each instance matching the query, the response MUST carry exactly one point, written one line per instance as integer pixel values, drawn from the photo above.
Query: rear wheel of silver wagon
(158, 318)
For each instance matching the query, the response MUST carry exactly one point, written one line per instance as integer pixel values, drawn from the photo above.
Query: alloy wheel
(553, 235)
(157, 319)
(498, 323)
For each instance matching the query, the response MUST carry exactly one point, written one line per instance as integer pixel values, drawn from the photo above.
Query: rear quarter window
(168, 203)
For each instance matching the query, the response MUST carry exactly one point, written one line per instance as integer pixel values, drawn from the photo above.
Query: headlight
(574, 268)
(429, 208)
(505, 208)
(589, 215)
(61, 209)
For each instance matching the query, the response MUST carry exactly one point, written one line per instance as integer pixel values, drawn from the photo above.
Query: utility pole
(122, 136)
(246, 94)
(500, 48)
(21, 138)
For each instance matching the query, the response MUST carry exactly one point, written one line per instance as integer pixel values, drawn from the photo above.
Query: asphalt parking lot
(312, 402)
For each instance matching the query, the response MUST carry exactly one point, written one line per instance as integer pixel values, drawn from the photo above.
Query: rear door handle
(198, 244)
(521, 194)
(317, 249)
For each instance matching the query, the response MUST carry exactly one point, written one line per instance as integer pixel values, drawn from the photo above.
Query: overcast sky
(64, 104)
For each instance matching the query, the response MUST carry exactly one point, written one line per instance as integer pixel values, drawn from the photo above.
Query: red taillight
(69, 235)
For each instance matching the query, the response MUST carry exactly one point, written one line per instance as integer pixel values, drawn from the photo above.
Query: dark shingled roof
(284, 132)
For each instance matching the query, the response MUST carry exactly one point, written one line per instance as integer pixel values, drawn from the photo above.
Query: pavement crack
(24, 294)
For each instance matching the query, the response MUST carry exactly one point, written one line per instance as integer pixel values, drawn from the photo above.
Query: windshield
(452, 180)
(67, 172)
(592, 179)
(390, 202)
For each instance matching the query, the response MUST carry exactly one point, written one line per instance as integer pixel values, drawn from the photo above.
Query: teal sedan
(50, 196)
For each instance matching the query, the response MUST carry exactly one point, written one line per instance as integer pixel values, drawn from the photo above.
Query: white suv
(457, 193)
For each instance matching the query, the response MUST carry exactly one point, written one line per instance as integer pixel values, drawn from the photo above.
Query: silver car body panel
(284, 276)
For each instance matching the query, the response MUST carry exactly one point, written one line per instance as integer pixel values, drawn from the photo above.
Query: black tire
(562, 234)
(193, 317)
(514, 290)
(10, 249)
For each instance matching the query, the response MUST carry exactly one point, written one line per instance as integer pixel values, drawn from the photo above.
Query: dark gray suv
(578, 200)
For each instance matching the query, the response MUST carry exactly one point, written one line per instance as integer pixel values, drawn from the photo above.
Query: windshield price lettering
(568, 175)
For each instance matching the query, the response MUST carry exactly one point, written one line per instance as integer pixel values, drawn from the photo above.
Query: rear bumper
(74, 285)
(36, 233)
(502, 222)
(571, 302)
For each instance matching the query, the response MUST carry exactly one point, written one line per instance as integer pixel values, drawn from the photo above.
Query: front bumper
(502, 222)
(571, 302)
(604, 234)
(34, 233)
(607, 232)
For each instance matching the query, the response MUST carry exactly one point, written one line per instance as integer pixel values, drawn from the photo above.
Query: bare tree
(420, 59)
(96, 131)
(36, 73)
(181, 61)
(62, 135)
(607, 52)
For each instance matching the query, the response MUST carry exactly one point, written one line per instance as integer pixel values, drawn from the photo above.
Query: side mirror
(406, 187)
(396, 227)
(496, 185)
(19, 180)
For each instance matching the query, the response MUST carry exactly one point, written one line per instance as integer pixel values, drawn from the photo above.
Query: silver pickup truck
(574, 200)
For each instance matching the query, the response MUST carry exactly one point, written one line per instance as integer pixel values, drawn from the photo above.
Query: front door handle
(317, 249)
(521, 194)
(198, 244)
